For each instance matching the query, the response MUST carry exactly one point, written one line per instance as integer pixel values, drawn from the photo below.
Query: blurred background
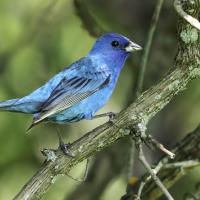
(38, 39)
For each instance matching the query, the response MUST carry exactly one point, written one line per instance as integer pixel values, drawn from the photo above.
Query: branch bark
(170, 171)
(193, 21)
(138, 114)
(188, 149)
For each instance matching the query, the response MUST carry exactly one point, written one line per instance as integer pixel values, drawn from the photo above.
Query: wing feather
(70, 92)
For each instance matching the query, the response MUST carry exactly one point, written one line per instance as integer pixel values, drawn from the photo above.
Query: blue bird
(80, 90)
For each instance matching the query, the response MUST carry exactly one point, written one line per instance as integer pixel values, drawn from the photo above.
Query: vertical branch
(147, 47)
(140, 81)
(153, 174)
(89, 23)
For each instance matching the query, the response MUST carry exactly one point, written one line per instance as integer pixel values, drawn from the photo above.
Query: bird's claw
(111, 116)
(66, 150)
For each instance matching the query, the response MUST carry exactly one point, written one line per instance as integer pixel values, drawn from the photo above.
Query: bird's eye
(115, 43)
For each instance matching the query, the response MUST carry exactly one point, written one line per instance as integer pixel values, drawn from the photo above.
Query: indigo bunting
(80, 90)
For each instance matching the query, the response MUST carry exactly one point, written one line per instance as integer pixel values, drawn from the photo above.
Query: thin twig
(187, 158)
(82, 179)
(153, 174)
(162, 148)
(146, 180)
(145, 56)
(183, 164)
(142, 184)
(140, 81)
(162, 165)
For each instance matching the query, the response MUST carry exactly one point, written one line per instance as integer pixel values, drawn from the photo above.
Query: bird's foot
(111, 115)
(65, 148)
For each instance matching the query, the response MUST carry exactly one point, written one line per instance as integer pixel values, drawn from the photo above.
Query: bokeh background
(38, 39)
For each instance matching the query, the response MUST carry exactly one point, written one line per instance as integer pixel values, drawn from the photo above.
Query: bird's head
(114, 45)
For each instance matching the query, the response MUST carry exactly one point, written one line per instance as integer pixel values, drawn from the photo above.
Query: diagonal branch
(186, 68)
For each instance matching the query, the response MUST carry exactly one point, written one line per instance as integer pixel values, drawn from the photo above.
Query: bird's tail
(22, 105)
(32, 125)
(36, 120)
(9, 105)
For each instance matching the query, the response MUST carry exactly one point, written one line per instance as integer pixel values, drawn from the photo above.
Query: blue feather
(80, 90)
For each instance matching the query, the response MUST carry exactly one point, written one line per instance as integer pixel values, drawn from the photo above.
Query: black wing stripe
(71, 100)
(82, 84)
(74, 82)
(105, 82)
(58, 92)
(67, 100)
(53, 101)
(75, 77)
(67, 83)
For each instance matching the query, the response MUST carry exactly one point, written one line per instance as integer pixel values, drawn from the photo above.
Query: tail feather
(31, 126)
(23, 105)
(35, 122)
(8, 105)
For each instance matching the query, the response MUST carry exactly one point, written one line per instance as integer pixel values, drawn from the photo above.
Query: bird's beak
(132, 47)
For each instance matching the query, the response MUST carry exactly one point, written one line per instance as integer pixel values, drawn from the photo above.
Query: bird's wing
(73, 90)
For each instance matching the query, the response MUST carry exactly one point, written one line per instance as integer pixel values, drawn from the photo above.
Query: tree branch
(187, 158)
(169, 171)
(179, 8)
(145, 55)
(186, 68)
(89, 22)
(153, 174)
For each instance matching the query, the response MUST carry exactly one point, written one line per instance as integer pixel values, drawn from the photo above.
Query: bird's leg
(110, 115)
(64, 147)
